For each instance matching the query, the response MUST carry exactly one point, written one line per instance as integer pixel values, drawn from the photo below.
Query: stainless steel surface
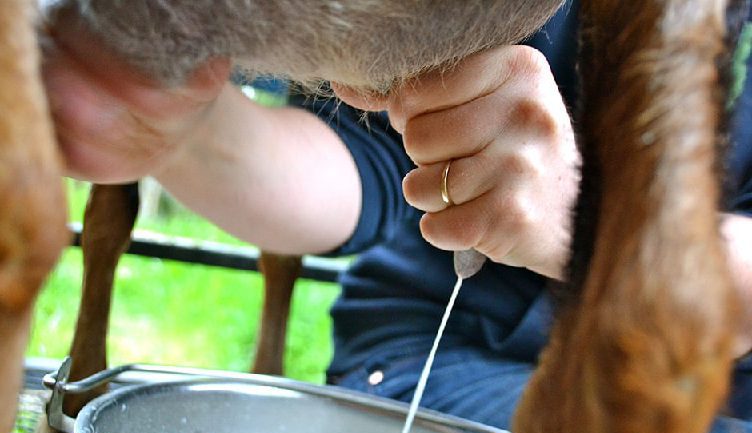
(222, 406)
(55, 416)
(202, 401)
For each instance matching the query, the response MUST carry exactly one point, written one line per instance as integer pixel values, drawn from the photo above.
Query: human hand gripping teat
(498, 123)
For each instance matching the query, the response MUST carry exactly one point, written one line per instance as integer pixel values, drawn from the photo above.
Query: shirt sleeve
(382, 164)
(740, 153)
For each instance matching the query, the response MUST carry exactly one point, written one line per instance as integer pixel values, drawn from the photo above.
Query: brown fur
(108, 222)
(647, 348)
(32, 216)
(168, 39)
(280, 273)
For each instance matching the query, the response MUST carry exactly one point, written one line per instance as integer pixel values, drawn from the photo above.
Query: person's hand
(113, 124)
(499, 118)
(737, 235)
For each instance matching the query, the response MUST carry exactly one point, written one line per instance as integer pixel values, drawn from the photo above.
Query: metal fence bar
(155, 245)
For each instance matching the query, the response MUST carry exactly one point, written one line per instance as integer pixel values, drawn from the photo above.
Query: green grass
(180, 314)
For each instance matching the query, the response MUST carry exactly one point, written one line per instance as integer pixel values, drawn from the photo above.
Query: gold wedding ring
(444, 185)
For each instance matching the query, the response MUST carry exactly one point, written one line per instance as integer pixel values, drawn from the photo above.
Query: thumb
(361, 99)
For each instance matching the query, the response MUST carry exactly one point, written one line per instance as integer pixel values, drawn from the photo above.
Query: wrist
(737, 234)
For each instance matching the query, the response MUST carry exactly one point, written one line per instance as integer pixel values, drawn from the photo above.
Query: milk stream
(429, 362)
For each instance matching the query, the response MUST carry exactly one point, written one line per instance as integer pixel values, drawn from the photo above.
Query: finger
(456, 132)
(468, 129)
(467, 179)
(360, 99)
(473, 77)
(487, 224)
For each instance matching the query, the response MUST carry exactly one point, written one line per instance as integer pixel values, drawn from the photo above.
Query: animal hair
(644, 343)
(368, 44)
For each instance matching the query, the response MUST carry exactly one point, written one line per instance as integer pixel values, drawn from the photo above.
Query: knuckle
(516, 214)
(525, 162)
(536, 117)
(528, 61)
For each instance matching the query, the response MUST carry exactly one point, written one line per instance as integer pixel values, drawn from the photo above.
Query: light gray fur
(367, 44)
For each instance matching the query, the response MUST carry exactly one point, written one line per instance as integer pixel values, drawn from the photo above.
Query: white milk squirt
(466, 264)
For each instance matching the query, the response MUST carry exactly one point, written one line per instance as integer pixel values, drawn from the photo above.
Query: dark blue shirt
(396, 290)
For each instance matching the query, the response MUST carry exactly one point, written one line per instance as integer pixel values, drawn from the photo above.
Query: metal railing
(151, 244)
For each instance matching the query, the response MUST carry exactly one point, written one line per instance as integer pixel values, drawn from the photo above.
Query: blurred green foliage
(183, 314)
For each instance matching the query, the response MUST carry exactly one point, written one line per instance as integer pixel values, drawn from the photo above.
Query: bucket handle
(54, 408)
(58, 383)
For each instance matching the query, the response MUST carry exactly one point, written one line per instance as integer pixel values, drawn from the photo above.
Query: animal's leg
(108, 222)
(14, 328)
(280, 273)
(647, 346)
(32, 215)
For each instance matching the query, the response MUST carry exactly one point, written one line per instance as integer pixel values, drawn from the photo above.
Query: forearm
(737, 231)
(278, 178)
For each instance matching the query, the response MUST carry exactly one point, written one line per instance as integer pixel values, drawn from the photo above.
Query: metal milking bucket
(201, 401)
